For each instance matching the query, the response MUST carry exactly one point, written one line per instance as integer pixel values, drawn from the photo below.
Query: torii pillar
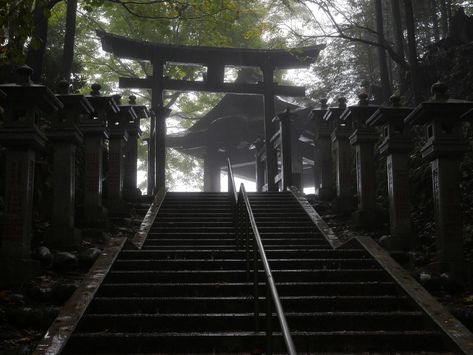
(268, 98)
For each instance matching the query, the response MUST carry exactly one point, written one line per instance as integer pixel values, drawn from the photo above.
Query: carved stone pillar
(445, 147)
(396, 147)
(364, 139)
(24, 103)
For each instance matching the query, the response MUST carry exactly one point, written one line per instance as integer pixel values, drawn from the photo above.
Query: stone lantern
(343, 156)
(117, 142)
(95, 132)
(444, 148)
(283, 139)
(396, 146)
(323, 150)
(25, 104)
(130, 189)
(363, 139)
(64, 135)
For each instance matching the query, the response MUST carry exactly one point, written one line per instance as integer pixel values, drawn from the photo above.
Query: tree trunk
(69, 39)
(383, 67)
(412, 50)
(444, 18)
(35, 55)
(435, 20)
(399, 42)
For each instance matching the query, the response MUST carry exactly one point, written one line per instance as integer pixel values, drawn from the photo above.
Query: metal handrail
(231, 183)
(243, 215)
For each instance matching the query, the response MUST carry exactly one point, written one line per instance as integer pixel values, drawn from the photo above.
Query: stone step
(215, 322)
(231, 264)
(216, 289)
(243, 304)
(248, 341)
(232, 253)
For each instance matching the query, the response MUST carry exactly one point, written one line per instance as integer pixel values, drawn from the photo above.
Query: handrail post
(256, 284)
(269, 321)
(247, 247)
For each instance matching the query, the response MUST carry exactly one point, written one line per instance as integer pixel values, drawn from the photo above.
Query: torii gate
(215, 59)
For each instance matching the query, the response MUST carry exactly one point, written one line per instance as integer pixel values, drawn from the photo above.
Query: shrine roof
(142, 50)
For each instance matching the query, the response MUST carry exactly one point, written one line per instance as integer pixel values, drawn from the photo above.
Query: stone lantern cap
(127, 113)
(73, 102)
(101, 103)
(360, 112)
(25, 94)
(439, 107)
(394, 114)
(334, 113)
(140, 110)
(319, 113)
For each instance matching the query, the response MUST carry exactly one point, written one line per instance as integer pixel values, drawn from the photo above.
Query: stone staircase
(186, 290)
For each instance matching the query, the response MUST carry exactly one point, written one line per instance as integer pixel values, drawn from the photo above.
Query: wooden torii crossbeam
(215, 59)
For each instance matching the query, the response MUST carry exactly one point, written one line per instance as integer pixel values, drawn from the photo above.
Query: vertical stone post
(130, 188)
(445, 147)
(117, 141)
(259, 164)
(162, 113)
(364, 139)
(271, 156)
(95, 132)
(151, 178)
(211, 171)
(343, 157)
(285, 146)
(323, 165)
(24, 103)
(65, 136)
(396, 147)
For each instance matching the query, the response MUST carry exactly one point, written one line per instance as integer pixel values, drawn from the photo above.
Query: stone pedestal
(445, 147)
(19, 189)
(95, 214)
(343, 164)
(396, 147)
(364, 140)
(63, 233)
(116, 168)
